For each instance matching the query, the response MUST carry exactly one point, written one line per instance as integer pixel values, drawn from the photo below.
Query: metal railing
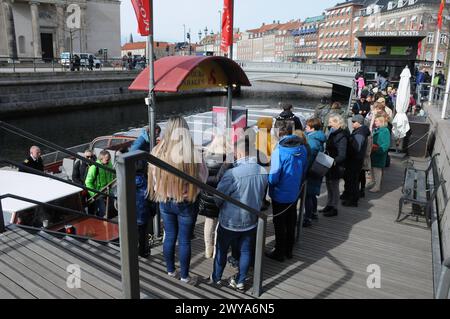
(126, 190)
(294, 66)
(126, 195)
(423, 93)
(33, 64)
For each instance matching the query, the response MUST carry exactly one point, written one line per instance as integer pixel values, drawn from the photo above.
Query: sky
(170, 15)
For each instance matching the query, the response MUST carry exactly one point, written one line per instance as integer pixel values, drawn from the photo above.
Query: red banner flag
(441, 10)
(227, 25)
(142, 11)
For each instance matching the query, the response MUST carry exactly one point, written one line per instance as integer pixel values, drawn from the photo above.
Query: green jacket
(98, 180)
(382, 138)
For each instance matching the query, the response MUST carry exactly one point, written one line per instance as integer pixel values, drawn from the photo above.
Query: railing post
(126, 191)
(14, 65)
(259, 253)
(34, 64)
(443, 288)
(2, 221)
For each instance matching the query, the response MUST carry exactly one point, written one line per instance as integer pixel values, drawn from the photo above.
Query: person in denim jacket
(245, 182)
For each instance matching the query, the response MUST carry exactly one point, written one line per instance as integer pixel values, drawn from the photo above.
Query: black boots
(144, 248)
(330, 213)
(326, 209)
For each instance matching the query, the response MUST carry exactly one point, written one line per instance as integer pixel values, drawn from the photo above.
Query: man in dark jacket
(34, 160)
(80, 168)
(287, 115)
(289, 162)
(361, 106)
(356, 151)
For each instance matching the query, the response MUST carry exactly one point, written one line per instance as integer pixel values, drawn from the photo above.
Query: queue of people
(273, 163)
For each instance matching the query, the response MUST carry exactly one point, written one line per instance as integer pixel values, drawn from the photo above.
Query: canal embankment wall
(34, 92)
(25, 93)
(441, 130)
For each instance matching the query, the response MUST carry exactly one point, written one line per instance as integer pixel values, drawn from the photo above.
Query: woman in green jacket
(380, 148)
(98, 178)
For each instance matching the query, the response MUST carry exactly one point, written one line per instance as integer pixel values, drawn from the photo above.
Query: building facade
(284, 41)
(337, 32)
(40, 29)
(420, 15)
(306, 40)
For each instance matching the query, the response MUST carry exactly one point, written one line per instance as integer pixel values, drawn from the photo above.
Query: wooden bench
(419, 189)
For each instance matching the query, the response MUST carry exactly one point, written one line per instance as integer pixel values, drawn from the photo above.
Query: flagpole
(150, 101)
(436, 48)
(230, 85)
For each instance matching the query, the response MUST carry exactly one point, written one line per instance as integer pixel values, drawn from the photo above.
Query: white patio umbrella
(400, 123)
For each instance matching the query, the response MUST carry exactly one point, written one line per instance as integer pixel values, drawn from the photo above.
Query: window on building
(21, 44)
(443, 39)
(430, 37)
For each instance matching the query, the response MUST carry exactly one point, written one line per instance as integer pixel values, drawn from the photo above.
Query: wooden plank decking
(330, 261)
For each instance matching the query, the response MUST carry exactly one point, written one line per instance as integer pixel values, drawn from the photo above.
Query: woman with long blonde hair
(175, 196)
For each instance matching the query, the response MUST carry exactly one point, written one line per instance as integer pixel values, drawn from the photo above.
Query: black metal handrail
(126, 190)
(40, 173)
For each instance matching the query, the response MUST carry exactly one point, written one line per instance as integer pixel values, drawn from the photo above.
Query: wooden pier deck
(330, 261)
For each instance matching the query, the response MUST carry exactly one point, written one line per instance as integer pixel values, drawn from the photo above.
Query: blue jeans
(310, 206)
(245, 241)
(178, 220)
(100, 206)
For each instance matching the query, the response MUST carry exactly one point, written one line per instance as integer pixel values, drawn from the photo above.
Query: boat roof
(31, 186)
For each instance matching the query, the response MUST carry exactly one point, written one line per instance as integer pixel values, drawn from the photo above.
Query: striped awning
(392, 21)
(356, 30)
(402, 20)
(356, 19)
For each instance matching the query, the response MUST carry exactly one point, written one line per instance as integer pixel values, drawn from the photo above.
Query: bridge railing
(298, 66)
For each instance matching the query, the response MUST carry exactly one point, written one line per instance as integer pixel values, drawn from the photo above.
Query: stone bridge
(340, 76)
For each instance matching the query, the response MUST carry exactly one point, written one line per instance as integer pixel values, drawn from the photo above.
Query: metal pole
(126, 191)
(447, 89)
(2, 221)
(230, 85)
(258, 267)
(436, 48)
(151, 103)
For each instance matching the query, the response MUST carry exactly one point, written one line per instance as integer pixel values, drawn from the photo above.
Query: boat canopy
(30, 186)
(182, 73)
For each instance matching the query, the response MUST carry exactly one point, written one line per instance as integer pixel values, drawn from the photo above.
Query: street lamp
(189, 38)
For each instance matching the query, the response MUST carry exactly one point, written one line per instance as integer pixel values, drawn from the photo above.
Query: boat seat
(67, 167)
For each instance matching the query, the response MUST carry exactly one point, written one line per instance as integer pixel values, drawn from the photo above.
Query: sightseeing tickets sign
(142, 11)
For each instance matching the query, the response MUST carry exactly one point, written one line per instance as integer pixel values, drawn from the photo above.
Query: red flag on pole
(441, 10)
(227, 25)
(142, 11)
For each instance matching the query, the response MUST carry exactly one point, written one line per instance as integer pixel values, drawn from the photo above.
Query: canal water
(80, 126)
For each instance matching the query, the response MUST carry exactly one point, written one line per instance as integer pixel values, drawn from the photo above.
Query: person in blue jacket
(145, 209)
(316, 139)
(288, 164)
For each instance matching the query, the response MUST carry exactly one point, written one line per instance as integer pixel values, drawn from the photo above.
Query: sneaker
(191, 280)
(238, 286)
(173, 274)
(212, 282)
